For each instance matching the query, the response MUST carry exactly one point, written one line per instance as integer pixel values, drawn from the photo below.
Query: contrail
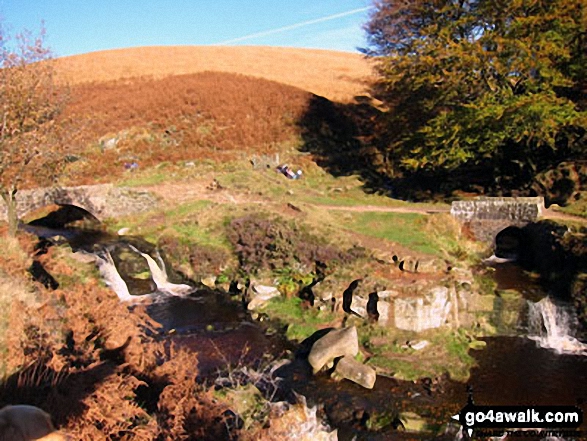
(293, 26)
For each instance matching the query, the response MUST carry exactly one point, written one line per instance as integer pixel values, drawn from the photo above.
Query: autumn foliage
(30, 147)
(86, 359)
(472, 84)
(197, 116)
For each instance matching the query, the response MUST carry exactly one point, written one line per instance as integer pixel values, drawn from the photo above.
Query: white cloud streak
(293, 26)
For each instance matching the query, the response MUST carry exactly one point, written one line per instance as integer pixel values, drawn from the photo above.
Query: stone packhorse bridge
(102, 201)
(486, 217)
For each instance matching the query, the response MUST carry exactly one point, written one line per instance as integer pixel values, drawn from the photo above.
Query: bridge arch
(498, 221)
(509, 242)
(62, 215)
(102, 201)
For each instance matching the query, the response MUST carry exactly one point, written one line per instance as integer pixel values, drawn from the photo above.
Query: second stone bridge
(486, 217)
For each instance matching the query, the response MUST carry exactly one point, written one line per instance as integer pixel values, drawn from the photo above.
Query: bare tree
(30, 100)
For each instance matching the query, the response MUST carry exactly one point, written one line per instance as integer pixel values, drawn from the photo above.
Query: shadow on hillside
(60, 393)
(354, 139)
(341, 141)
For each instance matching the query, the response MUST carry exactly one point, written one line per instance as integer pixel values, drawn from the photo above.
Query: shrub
(203, 260)
(271, 243)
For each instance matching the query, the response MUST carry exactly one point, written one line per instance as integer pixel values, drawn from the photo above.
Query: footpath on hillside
(203, 189)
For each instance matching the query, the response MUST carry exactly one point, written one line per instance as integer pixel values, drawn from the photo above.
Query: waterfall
(111, 276)
(159, 275)
(551, 326)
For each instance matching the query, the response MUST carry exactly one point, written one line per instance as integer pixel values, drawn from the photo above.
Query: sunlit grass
(301, 323)
(406, 229)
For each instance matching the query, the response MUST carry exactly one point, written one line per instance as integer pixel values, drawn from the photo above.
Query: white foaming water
(114, 280)
(159, 275)
(494, 259)
(111, 276)
(550, 325)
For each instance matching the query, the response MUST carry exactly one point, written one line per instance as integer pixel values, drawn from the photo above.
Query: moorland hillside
(208, 115)
(338, 76)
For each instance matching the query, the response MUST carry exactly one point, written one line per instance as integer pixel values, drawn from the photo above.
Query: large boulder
(336, 343)
(349, 368)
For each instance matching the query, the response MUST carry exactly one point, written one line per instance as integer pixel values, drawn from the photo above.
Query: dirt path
(206, 189)
(383, 209)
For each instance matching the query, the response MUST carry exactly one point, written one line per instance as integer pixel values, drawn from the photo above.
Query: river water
(542, 365)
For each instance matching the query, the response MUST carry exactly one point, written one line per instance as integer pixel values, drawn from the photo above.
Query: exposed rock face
(426, 312)
(337, 343)
(349, 368)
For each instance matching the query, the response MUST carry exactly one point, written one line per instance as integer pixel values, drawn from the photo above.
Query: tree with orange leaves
(30, 149)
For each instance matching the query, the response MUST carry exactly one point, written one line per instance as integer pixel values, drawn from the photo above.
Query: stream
(541, 363)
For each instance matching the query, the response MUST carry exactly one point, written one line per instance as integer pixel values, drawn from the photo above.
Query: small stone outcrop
(336, 343)
(260, 295)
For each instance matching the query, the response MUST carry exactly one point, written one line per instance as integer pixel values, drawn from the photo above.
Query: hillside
(214, 115)
(338, 76)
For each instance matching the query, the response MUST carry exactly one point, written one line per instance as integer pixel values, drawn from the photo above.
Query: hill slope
(338, 76)
(182, 117)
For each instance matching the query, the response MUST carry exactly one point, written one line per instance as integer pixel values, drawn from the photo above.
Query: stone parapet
(486, 216)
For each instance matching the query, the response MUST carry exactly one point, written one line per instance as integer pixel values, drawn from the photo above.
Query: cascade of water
(111, 276)
(159, 275)
(114, 280)
(551, 326)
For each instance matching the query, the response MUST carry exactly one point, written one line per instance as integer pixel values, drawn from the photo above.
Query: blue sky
(79, 26)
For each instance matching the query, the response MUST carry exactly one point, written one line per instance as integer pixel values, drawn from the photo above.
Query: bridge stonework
(103, 201)
(485, 217)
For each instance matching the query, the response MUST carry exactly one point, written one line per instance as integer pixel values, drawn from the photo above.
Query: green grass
(301, 323)
(576, 207)
(151, 176)
(448, 351)
(188, 209)
(406, 229)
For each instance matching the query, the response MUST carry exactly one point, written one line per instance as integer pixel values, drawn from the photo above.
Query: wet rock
(336, 343)
(261, 294)
(297, 422)
(350, 369)
(426, 312)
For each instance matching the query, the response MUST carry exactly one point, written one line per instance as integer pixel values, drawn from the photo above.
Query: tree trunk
(9, 197)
